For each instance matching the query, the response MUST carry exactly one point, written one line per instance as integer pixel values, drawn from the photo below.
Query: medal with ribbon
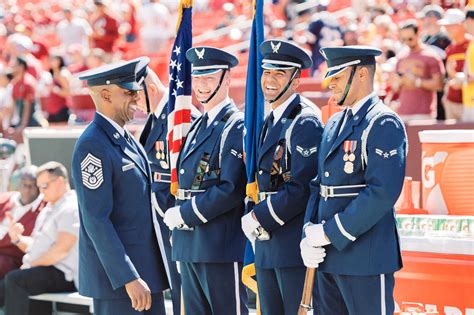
(349, 148)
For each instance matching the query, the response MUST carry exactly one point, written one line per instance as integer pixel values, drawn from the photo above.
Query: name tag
(128, 167)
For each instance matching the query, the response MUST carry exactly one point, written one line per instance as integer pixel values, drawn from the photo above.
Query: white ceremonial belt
(187, 194)
(264, 195)
(340, 191)
(161, 177)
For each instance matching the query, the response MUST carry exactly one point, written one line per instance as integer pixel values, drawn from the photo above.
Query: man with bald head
(122, 260)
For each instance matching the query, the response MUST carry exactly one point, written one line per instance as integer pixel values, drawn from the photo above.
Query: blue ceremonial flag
(179, 102)
(254, 112)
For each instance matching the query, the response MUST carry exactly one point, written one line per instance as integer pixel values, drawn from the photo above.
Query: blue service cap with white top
(123, 74)
(208, 60)
(283, 55)
(341, 57)
(141, 72)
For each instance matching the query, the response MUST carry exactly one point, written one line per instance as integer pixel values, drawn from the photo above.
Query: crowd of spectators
(425, 64)
(422, 75)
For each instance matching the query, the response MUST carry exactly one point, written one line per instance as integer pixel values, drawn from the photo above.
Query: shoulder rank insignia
(306, 152)
(236, 154)
(385, 155)
(91, 171)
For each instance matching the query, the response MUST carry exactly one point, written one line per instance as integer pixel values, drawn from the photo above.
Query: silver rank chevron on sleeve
(91, 170)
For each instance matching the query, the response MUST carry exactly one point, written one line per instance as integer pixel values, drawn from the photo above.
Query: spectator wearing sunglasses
(50, 262)
(419, 75)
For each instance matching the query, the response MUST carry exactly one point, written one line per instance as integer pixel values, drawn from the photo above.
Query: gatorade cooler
(448, 171)
(330, 109)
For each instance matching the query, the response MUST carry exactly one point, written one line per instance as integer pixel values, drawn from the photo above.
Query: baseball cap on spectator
(22, 42)
(452, 17)
(431, 10)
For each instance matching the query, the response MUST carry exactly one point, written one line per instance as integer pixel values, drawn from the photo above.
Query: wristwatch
(418, 82)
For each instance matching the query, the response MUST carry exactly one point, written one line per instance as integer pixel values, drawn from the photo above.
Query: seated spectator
(22, 206)
(57, 108)
(50, 263)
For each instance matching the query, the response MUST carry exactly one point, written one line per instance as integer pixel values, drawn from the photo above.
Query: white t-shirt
(156, 21)
(75, 32)
(63, 216)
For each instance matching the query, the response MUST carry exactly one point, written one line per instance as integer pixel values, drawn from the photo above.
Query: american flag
(179, 103)
(254, 111)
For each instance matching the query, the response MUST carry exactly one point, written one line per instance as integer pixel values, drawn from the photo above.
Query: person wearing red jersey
(455, 56)
(104, 29)
(420, 74)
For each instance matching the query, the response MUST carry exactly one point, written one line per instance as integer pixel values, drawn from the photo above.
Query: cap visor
(271, 66)
(446, 22)
(198, 73)
(131, 86)
(332, 73)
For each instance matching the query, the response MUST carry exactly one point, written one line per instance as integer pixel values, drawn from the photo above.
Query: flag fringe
(183, 4)
(248, 272)
(252, 191)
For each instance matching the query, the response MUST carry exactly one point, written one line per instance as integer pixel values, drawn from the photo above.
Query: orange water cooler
(438, 248)
(448, 171)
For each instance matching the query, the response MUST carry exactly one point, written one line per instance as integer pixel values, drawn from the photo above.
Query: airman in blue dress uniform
(207, 239)
(122, 263)
(155, 142)
(286, 160)
(360, 175)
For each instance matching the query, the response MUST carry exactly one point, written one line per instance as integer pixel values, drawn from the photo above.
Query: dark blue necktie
(348, 117)
(269, 124)
(202, 127)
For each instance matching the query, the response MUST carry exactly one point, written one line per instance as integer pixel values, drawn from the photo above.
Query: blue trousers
(354, 295)
(280, 290)
(213, 288)
(124, 306)
(175, 277)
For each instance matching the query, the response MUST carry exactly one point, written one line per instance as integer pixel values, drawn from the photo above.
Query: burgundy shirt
(424, 64)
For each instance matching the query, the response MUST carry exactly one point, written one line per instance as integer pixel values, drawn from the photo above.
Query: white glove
(315, 235)
(249, 225)
(178, 267)
(173, 217)
(312, 256)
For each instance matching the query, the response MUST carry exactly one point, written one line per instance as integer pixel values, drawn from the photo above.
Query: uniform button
(326, 174)
(260, 172)
(181, 171)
